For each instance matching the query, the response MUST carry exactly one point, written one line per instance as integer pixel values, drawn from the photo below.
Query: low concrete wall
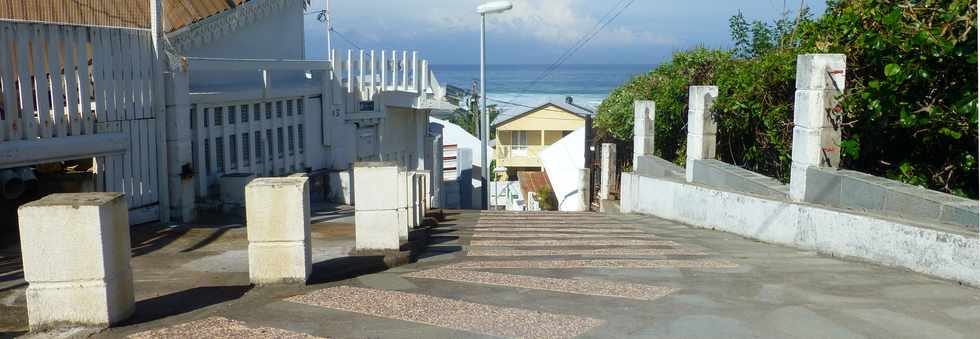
(864, 192)
(946, 254)
(726, 176)
(652, 166)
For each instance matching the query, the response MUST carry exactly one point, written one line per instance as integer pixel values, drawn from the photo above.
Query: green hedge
(910, 104)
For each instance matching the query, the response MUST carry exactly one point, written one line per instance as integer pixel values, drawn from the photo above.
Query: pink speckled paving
(567, 264)
(601, 252)
(449, 313)
(583, 287)
(218, 328)
(573, 242)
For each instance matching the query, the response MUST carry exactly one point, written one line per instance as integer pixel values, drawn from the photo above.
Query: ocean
(509, 86)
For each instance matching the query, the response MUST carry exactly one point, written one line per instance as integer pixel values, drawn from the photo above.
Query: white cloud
(556, 22)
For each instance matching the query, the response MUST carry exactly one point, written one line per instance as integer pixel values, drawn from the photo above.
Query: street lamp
(485, 9)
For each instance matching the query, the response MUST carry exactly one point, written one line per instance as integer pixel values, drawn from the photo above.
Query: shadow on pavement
(183, 302)
(339, 269)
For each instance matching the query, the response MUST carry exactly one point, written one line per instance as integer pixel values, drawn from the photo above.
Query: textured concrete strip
(573, 242)
(579, 225)
(218, 328)
(583, 287)
(449, 313)
(561, 230)
(561, 235)
(602, 252)
(559, 264)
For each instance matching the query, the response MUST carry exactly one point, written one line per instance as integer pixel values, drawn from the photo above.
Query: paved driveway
(592, 275)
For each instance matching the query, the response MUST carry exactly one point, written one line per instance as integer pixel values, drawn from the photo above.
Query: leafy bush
(910, 104)
(546, 199)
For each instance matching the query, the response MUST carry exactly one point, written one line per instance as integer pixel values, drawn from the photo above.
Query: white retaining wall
(954, 256)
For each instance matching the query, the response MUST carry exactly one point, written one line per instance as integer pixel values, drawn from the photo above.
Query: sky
(539, 31)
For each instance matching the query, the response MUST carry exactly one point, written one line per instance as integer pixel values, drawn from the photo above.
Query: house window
(518, 140)
(268, 139)
(258, 112)
(246, 149)
(233, 151)
(289, 108)
(268, 110)
(218, 115)
(231, 115)
(244, 109)
(302, 140)
(292, 142)
(258, 147)
(219, 147)
(281, 145)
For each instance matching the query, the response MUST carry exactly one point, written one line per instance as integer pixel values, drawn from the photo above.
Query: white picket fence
(71, 92)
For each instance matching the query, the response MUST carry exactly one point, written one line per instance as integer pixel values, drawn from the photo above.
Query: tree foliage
(910, 104)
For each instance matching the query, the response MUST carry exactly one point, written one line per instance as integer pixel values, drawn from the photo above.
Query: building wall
(279, 35)
(549, 118)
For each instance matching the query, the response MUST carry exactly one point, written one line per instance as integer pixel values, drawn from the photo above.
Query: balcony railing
(519, 156)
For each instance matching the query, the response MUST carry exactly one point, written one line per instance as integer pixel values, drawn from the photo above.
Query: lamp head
(494, 7)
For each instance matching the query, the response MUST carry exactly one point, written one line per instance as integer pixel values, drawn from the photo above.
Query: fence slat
(53, 56)
(70, 43)
(7, 75)
(85, 74)
(41, 84)
(101, 83)
(153, 173)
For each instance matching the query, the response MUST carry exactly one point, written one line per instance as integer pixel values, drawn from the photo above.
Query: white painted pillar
(701, 127)
(76, 254)
(644, 120)
(584, 189)
(376, 206)
(278, 226)
(179, 148)
(608, 174)
(437, 172)
(159, 98)
(820, 80)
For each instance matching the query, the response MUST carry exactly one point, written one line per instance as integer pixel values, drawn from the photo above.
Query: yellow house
(521, 137)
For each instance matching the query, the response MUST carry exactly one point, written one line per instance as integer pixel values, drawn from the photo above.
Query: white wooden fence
(72, 92)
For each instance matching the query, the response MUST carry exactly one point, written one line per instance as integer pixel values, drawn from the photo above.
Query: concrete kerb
(942, 254)
(278, 219)
(76, 257)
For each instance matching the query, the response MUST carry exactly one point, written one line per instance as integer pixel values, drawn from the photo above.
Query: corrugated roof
(115, 13)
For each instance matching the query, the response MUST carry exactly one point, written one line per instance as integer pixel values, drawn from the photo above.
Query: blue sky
(538, 31)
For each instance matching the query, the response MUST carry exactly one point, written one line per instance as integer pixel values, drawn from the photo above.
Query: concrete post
(377, 202)
(701, 127)
(820, 80)
(608, 171)
(179, 150)
(404, 218)
(644, 131)
(584, 181)
(76, 252)
(278, 218)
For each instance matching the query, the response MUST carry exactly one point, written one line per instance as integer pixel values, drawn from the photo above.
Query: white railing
(369, 73)
(265, 137)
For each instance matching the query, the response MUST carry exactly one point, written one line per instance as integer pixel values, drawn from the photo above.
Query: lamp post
(485, 9)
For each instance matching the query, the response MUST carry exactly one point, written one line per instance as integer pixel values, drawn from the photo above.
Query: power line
(601, 25)
(342, 36)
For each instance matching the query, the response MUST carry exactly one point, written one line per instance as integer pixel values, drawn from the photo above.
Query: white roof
(452, 134)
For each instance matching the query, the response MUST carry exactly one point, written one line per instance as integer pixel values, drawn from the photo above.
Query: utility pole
(475, 108)
(326, 14)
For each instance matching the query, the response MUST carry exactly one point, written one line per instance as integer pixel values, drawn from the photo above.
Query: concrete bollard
(377, 204)
(820, 79)
(76, 252)
(417, 199)
(701, 127)
(404, 213)
(608, 174)
(278, 226)
(644, 131)
(426, 191)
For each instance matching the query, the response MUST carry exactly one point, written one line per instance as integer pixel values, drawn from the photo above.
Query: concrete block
(379, 182)
(653, 166)
(278, 229)
(911, 205)
(76, 255)
(644, 131)
(812, 108)
(823, 187)
(702, 98)
(806, 146)
(701, 146)
(608, 170)
(861, 194)
(821, 71)
(378, 230)
(961, 214)
(378, 222)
